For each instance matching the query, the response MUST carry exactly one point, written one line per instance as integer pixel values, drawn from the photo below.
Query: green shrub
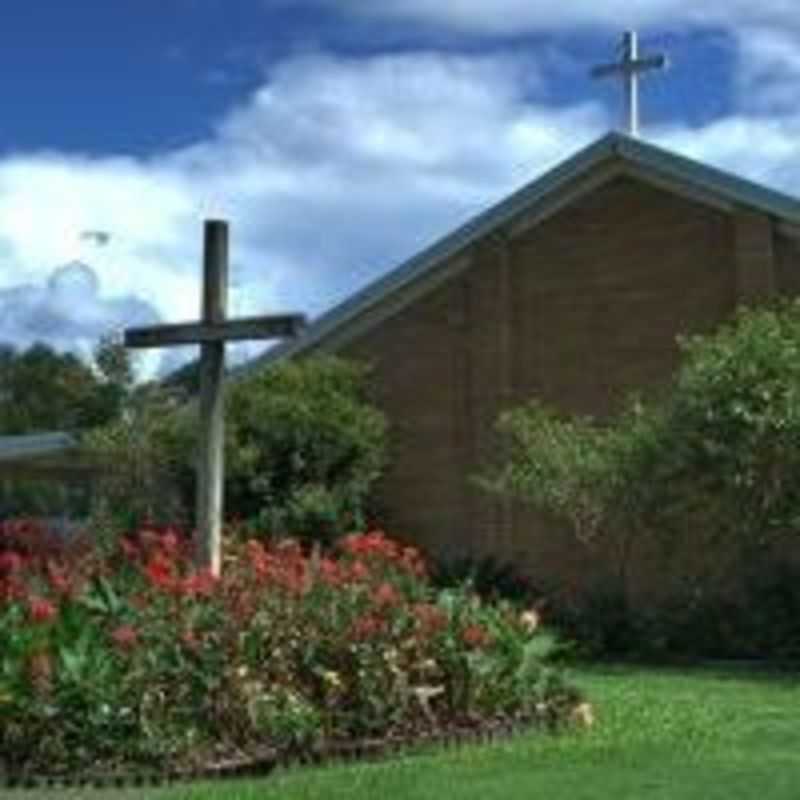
(712, 468)
(489, 577)
(148, 458)
(304, 448)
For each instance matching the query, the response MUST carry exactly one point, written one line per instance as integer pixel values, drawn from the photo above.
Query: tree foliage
(712, 468)
(722, 447)
(305, 446)
(42, 389)
(148, 453)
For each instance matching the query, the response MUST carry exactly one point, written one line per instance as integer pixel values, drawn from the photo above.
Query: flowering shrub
(134, 657)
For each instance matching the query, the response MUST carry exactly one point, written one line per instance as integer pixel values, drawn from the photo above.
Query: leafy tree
(708, 476)
(305, 446)
(723, 446)
(115, 372)
(44, 390)
(148, 449)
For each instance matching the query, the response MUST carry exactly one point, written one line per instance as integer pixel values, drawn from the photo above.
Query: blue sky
(338, 136)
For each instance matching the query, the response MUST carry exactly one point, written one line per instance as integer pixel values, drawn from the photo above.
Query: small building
(43, 474)
(39, 455)
(573, 291)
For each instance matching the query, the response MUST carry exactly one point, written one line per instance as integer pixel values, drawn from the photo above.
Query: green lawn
(659, 734)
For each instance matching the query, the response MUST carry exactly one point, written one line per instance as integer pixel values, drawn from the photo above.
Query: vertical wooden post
(211, 333)
(210, 466)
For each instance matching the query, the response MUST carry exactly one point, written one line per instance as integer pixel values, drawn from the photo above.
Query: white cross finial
(629, 69)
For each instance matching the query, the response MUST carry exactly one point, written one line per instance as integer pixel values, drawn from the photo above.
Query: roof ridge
(640, 154)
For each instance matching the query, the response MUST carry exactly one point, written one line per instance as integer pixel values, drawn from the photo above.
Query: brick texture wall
(578, 311)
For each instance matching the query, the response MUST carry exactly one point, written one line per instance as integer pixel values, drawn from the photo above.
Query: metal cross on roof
(629, 69)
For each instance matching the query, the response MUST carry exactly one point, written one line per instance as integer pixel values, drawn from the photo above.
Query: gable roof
(613, 155)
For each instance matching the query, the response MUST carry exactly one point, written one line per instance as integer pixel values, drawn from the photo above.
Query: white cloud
(47, 312)
(334, 169)
(769, 71)
(331, 172)
(520, 16)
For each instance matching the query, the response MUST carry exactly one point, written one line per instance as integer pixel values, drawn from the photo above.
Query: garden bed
(261, 762)
(122, 661)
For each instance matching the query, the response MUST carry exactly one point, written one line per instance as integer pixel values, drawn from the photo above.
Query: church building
(571, 291)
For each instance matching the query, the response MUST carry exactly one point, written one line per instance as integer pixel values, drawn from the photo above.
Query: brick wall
(578, 311)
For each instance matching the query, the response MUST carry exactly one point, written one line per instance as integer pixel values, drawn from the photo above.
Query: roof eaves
(35, 445)
(685, 170)
(673, 167)
(442, 251)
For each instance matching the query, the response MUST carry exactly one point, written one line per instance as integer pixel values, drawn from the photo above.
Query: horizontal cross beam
(627, 67)
(276, 326)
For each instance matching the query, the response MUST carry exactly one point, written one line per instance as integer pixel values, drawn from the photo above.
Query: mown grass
(660, 734)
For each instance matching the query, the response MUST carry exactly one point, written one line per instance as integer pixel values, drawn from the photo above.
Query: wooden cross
(629, 69)
(211, 333)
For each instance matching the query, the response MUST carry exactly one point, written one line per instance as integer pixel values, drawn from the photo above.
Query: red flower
(289, 549)
(125, 637)
(329, 572)
(366, 627)
(11, 589)
(430, 618)
(41, 610)
(161, 572)
(58, 581)
(359, 571)
(259, 560)
(170, 543)
(130, 550)
(370, 544)
(10, 562)
(148, 538)
(200, 584)
(386, 596)
(413, 561)
(475, 636)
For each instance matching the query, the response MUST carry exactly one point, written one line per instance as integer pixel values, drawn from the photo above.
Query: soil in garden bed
(261, 761)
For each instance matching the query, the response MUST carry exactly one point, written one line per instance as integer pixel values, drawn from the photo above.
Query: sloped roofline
(551, 191)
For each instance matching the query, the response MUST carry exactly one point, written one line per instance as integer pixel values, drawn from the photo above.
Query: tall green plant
(305, 446)
(148, 454)
(713, 468)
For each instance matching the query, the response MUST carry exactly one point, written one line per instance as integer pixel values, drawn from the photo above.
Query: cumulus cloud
(331, 172)
(47, 312)
(337, 166)
(769, 71)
